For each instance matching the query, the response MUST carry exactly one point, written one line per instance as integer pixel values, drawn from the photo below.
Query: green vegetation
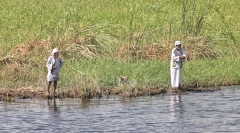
(103, 39)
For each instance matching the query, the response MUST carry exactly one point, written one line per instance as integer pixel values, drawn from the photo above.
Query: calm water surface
(196, 112)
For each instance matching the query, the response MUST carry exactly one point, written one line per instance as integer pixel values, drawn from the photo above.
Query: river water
(195, 112)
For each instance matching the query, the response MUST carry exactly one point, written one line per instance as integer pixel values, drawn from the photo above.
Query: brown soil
(31, 92)
(200, 89)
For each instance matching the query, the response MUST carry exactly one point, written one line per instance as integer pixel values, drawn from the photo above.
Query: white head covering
(55, 50)
(178, 43)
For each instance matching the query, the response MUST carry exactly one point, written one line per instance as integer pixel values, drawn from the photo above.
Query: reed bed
(102, 40)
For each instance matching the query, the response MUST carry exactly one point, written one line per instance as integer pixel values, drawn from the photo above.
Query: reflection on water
(52, 105)
(177, 110)
(54, 110)
(196, 112)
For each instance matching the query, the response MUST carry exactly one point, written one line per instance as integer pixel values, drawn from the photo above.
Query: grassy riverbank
(102, 40)
(93, 74)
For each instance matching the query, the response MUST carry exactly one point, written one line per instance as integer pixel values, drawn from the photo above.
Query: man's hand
(181, 57)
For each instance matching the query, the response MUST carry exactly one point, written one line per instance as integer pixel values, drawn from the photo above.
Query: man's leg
(55, 87)
(49, 84)
(180, 87)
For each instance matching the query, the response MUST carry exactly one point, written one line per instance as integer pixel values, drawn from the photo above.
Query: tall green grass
(114, 23)
(148, 73)
(154, 20)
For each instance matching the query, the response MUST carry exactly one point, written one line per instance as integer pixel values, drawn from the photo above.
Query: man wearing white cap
(178, 56)
(54, 64)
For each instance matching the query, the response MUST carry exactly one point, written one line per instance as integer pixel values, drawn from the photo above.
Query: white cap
(178, 43)
(55, 50)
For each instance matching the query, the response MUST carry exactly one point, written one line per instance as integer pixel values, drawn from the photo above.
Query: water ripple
(196, 112)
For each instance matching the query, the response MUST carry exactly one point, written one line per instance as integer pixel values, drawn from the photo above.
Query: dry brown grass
(22, 60)
(28, 53)
(28, 48)
(1, 53)
(130, 51)
(196, 48)
(160, 51)
(36, 52)
(82, 48)
(199, 48)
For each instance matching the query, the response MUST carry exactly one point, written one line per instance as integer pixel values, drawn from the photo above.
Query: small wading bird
(123, 80)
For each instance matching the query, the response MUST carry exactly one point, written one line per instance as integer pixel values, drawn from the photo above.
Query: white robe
(176, 73)
(54, 75)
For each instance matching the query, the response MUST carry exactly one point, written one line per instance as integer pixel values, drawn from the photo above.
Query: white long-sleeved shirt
(53, 72)
(175, 56)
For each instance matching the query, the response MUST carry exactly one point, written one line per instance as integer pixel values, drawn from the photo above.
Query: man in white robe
(178, 56)
(54, 65)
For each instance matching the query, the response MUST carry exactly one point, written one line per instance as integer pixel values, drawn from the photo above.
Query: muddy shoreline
(33, 92)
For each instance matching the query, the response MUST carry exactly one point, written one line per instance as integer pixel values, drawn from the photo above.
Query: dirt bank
(33, 92)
